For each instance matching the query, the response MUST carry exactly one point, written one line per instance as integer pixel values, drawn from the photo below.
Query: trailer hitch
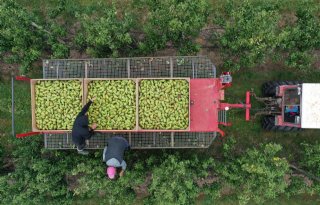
(246, 106)
(271, 105)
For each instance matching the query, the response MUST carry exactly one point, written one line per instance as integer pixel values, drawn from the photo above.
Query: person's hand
(93, 98)
(121, 173)
(94, 126)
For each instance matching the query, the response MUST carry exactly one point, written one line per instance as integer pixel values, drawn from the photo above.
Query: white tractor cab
(290, 105)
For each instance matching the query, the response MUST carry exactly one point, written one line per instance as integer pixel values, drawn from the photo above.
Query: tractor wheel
(269, 88)
(268, 123)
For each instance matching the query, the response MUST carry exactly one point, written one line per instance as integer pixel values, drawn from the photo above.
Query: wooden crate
(86, 83)
(33, 101)
(153, 130)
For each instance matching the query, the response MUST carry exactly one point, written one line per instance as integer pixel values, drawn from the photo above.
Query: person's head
(111, 172)
(94, 126)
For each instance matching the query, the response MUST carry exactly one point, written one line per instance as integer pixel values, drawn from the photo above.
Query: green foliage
(311, 157)
(300, 38)
(173, 21)
(173, 180)
(38, 177)
(258, 30)
(1, 156)
(250, 34)
(253, 31)
(66, 9)
(106, 34)
(92, 181)
(229, 146)
(59, 48)
(297, 185)
(259, 173)
(56, 177)
(24, 37)
(20, 42)
(212, 192)
(310, 162)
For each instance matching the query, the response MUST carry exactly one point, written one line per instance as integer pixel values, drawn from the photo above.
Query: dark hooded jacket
(116, 147)
(81, 130)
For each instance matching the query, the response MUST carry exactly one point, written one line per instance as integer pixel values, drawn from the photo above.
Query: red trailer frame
(206, 95)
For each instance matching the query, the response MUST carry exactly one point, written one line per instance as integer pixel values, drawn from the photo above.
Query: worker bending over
(81, 131)
(113, 156)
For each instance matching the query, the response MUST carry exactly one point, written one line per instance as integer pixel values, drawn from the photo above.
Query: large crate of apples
(164, 104)
(55, 103)
(115, 107)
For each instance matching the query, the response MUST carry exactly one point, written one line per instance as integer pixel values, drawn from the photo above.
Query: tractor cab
(290, 105)
(291, 108)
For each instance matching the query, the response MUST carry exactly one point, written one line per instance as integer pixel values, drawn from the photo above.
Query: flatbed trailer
(207, 111)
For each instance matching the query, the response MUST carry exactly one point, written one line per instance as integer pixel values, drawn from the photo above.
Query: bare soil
(142, 190)
(288, 18)
(72, 181)
(210, 179)
(6, 70)
(316, 55)
(74, 54)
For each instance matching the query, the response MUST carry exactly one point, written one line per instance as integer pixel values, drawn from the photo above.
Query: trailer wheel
(268, 123)
(269, 88)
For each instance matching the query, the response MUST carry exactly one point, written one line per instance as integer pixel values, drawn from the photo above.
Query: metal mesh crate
(176, 66)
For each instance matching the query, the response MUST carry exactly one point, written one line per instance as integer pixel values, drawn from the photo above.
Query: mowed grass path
(22, 110)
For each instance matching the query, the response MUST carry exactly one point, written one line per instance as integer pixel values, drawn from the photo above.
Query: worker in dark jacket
(113, 156)
(81, 130)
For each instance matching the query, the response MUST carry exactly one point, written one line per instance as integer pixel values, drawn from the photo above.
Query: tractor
(289, 105)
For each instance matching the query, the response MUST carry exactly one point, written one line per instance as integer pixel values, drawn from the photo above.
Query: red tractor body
(291, 105)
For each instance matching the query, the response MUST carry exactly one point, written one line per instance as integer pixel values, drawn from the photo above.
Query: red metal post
(226, 85)
(221, 132)
(27, 134)
(225, 124)
(23, 78)
(248, 106)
